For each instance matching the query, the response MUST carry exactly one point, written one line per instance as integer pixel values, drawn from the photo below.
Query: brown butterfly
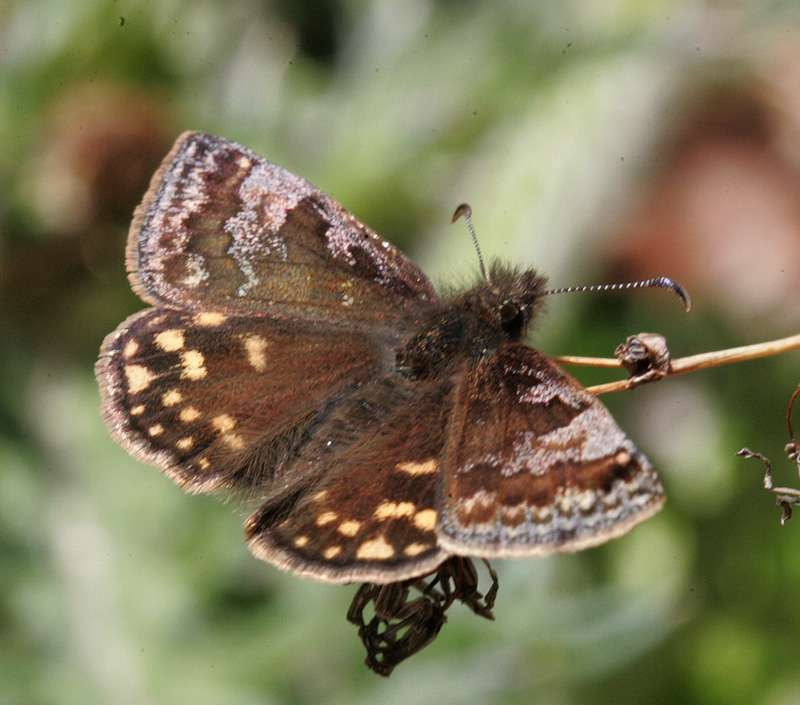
(295, 356)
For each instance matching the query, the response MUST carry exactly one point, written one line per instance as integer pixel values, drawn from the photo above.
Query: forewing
(218, 401)
(370, 514)
(536, 465)
(224, 228)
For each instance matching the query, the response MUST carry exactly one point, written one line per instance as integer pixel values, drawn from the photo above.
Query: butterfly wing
(536, 465)
(369, 514)
(219, 401)
(226, 230)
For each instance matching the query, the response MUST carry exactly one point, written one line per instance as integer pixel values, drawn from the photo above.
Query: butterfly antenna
(655, 283)
(466, 211)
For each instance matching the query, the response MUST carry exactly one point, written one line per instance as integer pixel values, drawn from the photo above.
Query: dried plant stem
(688, 364)
(587, 361)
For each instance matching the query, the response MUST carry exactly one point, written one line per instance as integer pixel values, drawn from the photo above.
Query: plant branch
(690, 363)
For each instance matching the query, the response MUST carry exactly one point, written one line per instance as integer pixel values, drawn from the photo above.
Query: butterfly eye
(511, 317)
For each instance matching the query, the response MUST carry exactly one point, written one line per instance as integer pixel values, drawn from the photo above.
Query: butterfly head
(506, 297)
(506, 301)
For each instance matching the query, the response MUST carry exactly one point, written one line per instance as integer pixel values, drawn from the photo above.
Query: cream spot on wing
(326, 518)
(426, 467)
(194, 365)
(319, 496)
(244, 163)
(349, 527)
(139, 378)
(234, 440)
(571, 498)
(203, 463)
(390, 510)
(169, 340)
(189, 414)
(255, 346)
(138, 409)
(332, 552)
(172, 397)
(223, 423)
(301, 541)
(623, 457)
(156, 320)
(384, 510)
(155, 430)
(209, 318)
(130, 348)
(425, 519)
(480, 500)
(513, 517)
(185, 443)
(414, 549)
(375, 550)
(197, 273)
(347, 296)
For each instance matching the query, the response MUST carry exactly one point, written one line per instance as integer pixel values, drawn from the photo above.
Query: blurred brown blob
(723, 214)
(99, 147)
(98, 151)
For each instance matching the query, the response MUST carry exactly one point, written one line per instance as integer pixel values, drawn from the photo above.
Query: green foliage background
(550, 119)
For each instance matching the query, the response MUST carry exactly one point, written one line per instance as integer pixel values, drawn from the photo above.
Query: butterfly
(294, 357)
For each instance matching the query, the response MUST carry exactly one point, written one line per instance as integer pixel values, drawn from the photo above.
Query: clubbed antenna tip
(654, 283)
(675, 287)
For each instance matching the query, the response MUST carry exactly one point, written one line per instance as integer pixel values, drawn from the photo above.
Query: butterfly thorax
(472, 324)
